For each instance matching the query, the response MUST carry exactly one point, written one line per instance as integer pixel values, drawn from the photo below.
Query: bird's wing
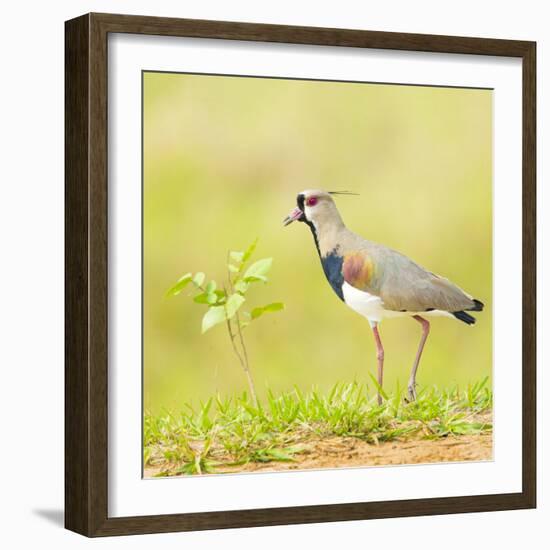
(401, 284)
(401, 293)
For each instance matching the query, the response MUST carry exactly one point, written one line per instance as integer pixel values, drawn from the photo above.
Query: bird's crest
(342, 193)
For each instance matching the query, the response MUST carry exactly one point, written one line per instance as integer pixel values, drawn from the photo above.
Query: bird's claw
(411, 393)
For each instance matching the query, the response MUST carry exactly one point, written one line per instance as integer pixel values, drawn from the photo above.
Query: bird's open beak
(296, 214)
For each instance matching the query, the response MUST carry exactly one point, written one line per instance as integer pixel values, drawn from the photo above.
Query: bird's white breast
(365, 304)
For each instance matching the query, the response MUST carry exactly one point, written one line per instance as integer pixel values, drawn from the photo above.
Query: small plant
(224, 303)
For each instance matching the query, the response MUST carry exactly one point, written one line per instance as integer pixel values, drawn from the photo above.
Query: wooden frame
(86, 281)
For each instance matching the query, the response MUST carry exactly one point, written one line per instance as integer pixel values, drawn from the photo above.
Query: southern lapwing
(375, 281)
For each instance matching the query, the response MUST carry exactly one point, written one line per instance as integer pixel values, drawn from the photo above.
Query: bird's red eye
(312, 201)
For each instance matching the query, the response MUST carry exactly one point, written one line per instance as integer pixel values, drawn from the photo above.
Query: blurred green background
(224, 158)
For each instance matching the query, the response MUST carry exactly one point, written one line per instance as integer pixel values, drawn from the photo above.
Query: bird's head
(316, 207)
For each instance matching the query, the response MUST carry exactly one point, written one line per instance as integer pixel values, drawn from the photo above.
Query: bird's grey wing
(406, 286)
(402, 284)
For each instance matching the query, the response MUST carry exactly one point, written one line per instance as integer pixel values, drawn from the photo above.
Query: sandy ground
(345, 452)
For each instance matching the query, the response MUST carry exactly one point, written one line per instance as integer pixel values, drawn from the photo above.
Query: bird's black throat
(332, 266)
(332, 262)
(314, 233)
(300, 201)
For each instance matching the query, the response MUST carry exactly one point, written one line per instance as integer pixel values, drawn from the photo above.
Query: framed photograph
(300, 274)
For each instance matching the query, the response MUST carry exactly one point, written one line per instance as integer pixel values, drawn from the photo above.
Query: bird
(376, 281)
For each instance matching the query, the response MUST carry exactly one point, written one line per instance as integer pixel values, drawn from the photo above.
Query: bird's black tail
(465, 317)
(478, 306)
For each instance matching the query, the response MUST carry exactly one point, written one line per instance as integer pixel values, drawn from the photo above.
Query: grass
(232, 431)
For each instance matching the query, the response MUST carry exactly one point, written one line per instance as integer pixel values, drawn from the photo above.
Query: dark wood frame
(87, 286)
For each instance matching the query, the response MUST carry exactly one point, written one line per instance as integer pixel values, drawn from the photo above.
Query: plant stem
(247, 368)
(244, 364)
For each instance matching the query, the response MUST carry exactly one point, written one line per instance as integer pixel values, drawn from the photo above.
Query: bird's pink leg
(425, 331)
(380, 358)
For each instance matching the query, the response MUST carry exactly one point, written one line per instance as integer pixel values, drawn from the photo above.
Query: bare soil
(346, 452)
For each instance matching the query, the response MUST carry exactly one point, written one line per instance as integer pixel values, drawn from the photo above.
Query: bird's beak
(296, 214)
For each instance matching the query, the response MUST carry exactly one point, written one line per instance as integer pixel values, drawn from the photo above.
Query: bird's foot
(411, 392)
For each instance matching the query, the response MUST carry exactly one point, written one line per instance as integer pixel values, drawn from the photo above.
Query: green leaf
(210, 287)
(198, 279)
(258, 270)
(214, 316)
(201, 298)
(206, 298)
(232, 268)
(241, 286)
(220, 294)
(280, 455)
(180, 285)
(272, 455)
(259, 311)
(234, 302)
(378, 387)
(249, 251)
(236, 256)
